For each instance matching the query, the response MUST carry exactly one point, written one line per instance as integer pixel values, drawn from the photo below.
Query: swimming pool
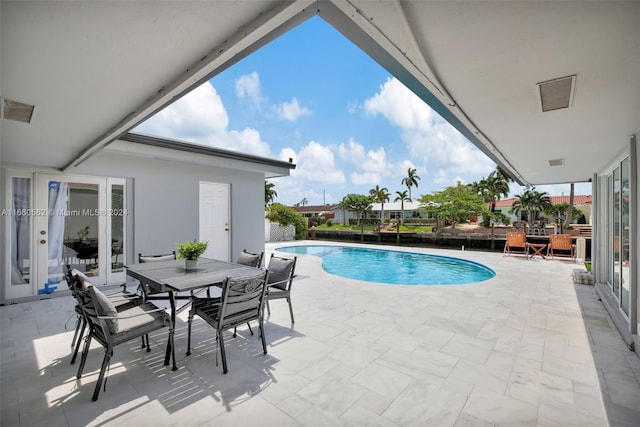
(394, 267)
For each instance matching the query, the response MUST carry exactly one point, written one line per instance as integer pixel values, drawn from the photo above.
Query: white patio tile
(527, 347)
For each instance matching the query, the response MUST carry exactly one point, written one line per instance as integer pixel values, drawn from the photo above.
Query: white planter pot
(190, 264)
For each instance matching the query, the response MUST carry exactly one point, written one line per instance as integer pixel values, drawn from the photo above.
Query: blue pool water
(394, 267)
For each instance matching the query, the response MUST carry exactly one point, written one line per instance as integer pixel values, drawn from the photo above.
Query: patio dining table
(171, 277)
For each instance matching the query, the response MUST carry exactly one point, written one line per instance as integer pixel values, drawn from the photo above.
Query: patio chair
(143, 287)
(76, 281)
(250, 259)
(281, 274)
(111, 327)
(562, 243)
(241, 302)
(516, 244)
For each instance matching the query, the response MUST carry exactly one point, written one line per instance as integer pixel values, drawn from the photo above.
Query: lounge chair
(560, 245)
(516, 244)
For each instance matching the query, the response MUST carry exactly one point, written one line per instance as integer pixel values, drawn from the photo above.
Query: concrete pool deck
(528, 347)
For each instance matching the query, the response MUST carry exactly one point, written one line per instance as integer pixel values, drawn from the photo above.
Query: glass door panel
(623, 246)
(616, 233)
(20, 216)
(116, 231)
(72, 231)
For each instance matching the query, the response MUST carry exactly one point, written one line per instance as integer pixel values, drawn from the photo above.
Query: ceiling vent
(556, 162)
(18, 111)
(557, 93)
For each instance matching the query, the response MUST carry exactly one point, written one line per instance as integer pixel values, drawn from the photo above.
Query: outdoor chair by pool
(281, 273)
(241, 302)
(76, 280)
(560, 245)
(516, 244)
(252, 260)
(111, 327)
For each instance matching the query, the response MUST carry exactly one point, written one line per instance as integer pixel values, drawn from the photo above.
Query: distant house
(581, 202)
(391, 211)
(316, 211)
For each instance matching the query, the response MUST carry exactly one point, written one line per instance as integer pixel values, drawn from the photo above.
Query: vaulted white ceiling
(94, 70)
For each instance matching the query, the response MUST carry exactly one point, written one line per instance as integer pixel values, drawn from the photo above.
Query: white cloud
(200, 117)
(248, 86)
(291, 110)
(196, 115)
(315, 162)
(370, 165)
(429, 138)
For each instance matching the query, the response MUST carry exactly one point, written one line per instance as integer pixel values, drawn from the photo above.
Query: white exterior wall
(164, 201)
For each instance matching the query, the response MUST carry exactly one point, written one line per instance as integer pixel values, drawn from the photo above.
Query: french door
(65, 220)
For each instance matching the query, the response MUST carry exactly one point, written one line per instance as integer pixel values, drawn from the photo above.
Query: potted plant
(83, 233)
(191, 251)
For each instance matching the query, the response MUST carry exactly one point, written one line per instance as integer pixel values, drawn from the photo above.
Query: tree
(569, 216)
(284, 215)
(559, 211)
(380, 195)
(342, 205)
(401, 197)
(303, 202)
(411, 180)
(269, 193)
(491, 188)
(360, 205)
(455, 203)
(531, 201)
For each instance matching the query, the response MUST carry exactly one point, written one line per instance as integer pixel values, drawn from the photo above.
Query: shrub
(284, 215)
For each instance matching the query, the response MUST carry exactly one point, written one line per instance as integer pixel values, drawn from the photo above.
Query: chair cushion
(279, 272)
(104, 307)
(157, 258)
(81, 278)
(248, 259)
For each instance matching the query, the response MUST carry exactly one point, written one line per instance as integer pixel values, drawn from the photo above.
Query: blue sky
(313, 96)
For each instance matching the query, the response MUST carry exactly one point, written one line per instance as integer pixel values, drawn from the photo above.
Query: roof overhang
(150, 146)
(478, 64)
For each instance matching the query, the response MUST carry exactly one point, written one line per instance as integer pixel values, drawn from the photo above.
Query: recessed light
(556, 162)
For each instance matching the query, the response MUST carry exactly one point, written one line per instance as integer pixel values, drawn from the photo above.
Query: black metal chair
(143, 288)
(281, 274)
(76, 281)
(241, 302)
(250, 259)
(111, 327)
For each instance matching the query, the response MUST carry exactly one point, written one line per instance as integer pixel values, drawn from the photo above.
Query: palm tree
(411, 180)
(569, 216)
(401, 196)
(492, 188)
(269, 193)
(342, 204)
(531, 201)
(304, 201)
(380, 195)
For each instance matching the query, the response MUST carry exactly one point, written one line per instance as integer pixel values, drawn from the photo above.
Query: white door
(214, 219)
